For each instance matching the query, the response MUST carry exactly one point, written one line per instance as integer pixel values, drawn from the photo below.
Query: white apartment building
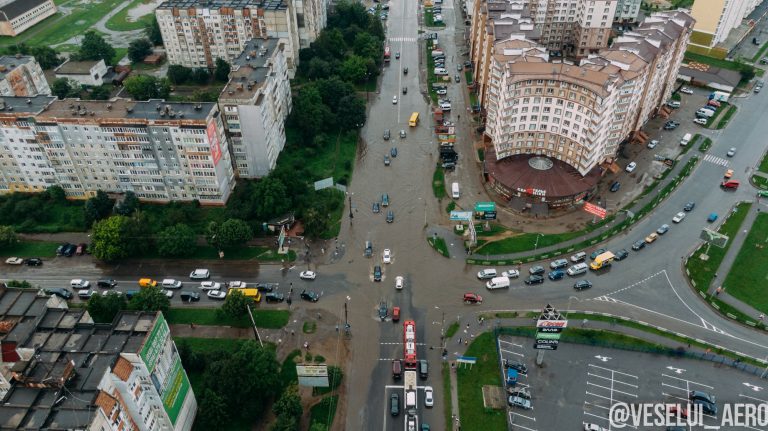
(573, 27)
(715, 19)
(88, 72)
(579, 114)
(197, 32)
(19, 15)
(627, 11)
(162, 151)
(255, 104)
(21, 75)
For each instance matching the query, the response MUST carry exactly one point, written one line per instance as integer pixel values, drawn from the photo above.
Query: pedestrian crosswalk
(715, 160)
(403, 39)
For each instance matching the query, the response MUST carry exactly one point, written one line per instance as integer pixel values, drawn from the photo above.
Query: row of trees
(178, 74)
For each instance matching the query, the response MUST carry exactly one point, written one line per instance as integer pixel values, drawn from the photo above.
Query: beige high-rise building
(573, 27)
(570, 117)
(21, 75)
(715, 19)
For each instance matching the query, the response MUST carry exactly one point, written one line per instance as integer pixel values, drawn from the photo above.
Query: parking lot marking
(676, 370)
(516, 425)
(753, 387)
(606, 386)
(754, 399)
(511, 343)
(512, 353)
(687, 381)
(603, 358)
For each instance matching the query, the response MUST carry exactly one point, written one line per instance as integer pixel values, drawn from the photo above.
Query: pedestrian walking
(459, 340)
(337, 328)
(467, 325)
(718, 290)
(762, 316)
(293, 332)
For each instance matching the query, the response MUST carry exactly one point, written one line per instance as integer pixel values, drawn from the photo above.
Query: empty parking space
(675, 390)
(605, 387)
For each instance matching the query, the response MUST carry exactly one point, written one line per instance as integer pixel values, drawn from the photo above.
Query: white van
(486, 274)
(686, 139)
(498, 283)
(79, 283)
(440, 71)
(579, 268)
(455, 190)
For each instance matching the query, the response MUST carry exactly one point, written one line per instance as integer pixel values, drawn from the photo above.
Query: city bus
(414, 121)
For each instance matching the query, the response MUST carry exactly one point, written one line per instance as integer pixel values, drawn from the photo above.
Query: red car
(675, 412)
(473, 298)
(80, 249)
(396, 314)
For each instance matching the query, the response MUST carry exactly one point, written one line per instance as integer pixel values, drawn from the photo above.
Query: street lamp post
(536, 245)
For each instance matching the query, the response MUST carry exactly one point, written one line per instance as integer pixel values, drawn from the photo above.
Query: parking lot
(581, 382)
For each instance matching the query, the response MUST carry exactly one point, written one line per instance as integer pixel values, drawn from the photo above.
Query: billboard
(213, 139)
(313, 375)
(594, 209)
(461, 215)
(485, 210)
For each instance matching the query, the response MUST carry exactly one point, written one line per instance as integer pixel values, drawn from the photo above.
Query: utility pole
(255, 329)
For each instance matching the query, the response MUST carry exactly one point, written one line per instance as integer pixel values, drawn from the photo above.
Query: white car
(429, 399)
(394, 100)
(14, 261)
(108, 292)
(631, 167)
(237, 285)
(442, 91)
(170, 283)
(200, 274)
(169, 293)
(79, 283)
(701, 121)
(593, 427)
(210, 285)
(511, 273)
(216, 294)
(686, 90)
(387, 257)
(653, 144)
(399, 282)
(308, 275)
(731, 152)
(445, 106)
(85, 293)
(678, 217)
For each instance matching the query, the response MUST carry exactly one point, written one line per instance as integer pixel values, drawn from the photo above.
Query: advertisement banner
(594, 209)
(545, 344)
(461, 215)
(213, 139)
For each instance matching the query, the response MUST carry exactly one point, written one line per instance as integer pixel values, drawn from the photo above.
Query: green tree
(56, 194)
(94, 47)
(354, 68)
(178, 74)
(101, 92)
(309, 114)
(270, 198)
(333, 90)
(285, 423)
(46, 56)
(152, 31)
(129, 204)
(289, 403)
(104, 308)
(98, 207)
(351, 114)
(366, 45)
(317, 426)
(176, 241)
(138, 49)
(331, 43)
(234, 232)
(145, 87)
(212, 411)
(7, 236)
(318, 68)
(108, 238)
(61, 88)
(22, 284)
(316, 222)
(200, 76)
(150, 299)
(236, 304)
(223, 68)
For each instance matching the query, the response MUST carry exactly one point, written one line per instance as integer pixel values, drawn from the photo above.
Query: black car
(534, 279)
(596, 253)
(537, 270)
(518, 366)
(266, 287)
(274, 297)
(377, 273)
(60, 249)
(689, 206)
(58, 291)
(638, 245)
(582, 284)
(393, 152)
(69, 251)
(383, 311)
(390, 216)
(707, 407)
(405, 71)
(376, 207)
(106, 283)
(394, 404)
(309, 295)
(621, 254)
(615, 186)
(185, 296)
(34, 261)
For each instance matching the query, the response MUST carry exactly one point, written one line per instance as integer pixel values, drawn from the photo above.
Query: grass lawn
(702, 272)
(525, 242)
(447, 392)
(334, 159)
(764, 164)
(450, 207)
(760, 53)
(746, 279)
(474, 417)
(438, 243)
(760, 182)
(288, 368)
(30, 249)
(725, 118)
(60, 27)
(705, 144)
(324, 411)
(429, 19)
(121, 22)
(725, 64)
(438, 182)
(271, 319)
(495, 229)
(453, 328)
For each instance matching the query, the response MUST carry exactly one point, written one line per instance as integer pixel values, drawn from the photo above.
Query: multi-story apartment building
(63, 371)
(162, 151)
(21, 75)
(576, 116)
(573, 27)
(627, 11)
(19, 15)
(197, 32)
(255, 103)
(715, 19)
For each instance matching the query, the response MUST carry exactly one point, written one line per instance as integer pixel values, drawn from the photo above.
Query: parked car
(14, 261)
(274, 297)
(106, 283)
(700, 121)
(638, 245)
(69, 251)
(712, 217)
(390, 216)
(386, 134)
(200, 274)
(214, 294)
(653, 143)
(385, 200)
(652, 237)
(582, 284)
(309, 295)
(429, 399)
(678, 217)
(593, 427)
(631, 167)
(34, 261)
(615, 186)
(85, 293)
(386, 160)
(58, 291)
(621, 254)
(457, 77)
(441, 91)
(394, 404)
(701, 395)
(79, 283)
(473, 298)
(376, 208)
(60, 249)
(187, 296)
(519, 402)
(686, 90)
(511, 273)
(307, 275)
(558, 264)
(596, 253)
(556, 274)
(486, 274)
(534, 279)
(210, 285)
(536, 270)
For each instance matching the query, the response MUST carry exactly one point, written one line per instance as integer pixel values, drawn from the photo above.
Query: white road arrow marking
(676, 370)
(711, 327)
(753, 387)
(603, 358)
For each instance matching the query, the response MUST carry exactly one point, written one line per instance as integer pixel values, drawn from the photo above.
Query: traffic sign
(547, 336)
(594, 209)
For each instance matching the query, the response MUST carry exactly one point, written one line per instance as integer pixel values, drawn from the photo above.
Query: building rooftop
(250, 70)
(711, 75)
(18, 7)
(151, 110)
(11, 62)
(24, 105)
(257, 52)
(218, 4)
(55, 387)
(77, 67)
